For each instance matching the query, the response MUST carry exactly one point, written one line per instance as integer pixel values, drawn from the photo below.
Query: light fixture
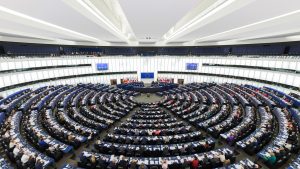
(293, 38)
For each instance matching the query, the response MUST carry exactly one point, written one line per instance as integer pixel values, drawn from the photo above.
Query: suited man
(102, 163)
(122, 150)
(31, 161)
(128, 141)
(39, 164)
(112, 164)
(183, 149)
(123, 163)
(206, 162)
(166, 151)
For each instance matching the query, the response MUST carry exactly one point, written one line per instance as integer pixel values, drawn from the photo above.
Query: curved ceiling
(149, 23)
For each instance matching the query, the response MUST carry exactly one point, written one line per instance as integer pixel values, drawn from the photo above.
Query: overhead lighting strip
(91, 8)
(205, 14)
(250, 25)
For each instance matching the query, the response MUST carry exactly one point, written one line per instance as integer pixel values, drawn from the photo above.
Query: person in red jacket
(157, 132)
(195, 163)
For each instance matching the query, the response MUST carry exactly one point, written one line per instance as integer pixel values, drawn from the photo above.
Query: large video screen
(102, 66)
(147, 75)
(192, 66)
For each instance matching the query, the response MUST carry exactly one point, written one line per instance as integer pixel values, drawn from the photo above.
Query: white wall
(149, 64)
(196, 78)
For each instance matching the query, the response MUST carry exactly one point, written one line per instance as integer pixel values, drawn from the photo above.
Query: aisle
(74, 156)
(138, 114)
(240, 154)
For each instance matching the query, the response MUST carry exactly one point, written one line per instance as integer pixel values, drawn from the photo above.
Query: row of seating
(177, 138)
(236, 121)
(243, 129)
(155, 150)
(44, 124)
(19, 149)
(245, 164)
(37, 136)
(262, 135)
(4, 164)
(211, 159)
(133, 142)
(295, 164)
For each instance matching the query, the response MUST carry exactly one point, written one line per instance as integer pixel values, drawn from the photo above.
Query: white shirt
(24, 158)
(6, 135)
(51, 149)
(288, 146)
(16, 151)
(222, 158)
(11, 145)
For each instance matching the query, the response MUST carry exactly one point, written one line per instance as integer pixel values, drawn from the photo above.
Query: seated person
(55, 151)
(185, 164)
(113, 164)
(39, 164)
(195, 163)
(133, 164)
(166, 151)
(24, 159)
(101, 162)
(272, 159)
(93, 161)
(122, 163)
(231, 139)
(31, 161)
(12, 145)
(143, 166)
(43, 144)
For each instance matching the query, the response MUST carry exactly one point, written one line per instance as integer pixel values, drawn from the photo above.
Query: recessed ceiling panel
(153, 18)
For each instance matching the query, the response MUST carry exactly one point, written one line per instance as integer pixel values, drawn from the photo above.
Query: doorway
(113, 81)
(180, 81)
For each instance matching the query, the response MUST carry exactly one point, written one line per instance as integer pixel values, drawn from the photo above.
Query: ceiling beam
(106, 14)
(206, 12)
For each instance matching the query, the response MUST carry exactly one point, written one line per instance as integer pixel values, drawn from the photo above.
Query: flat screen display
(102, 66)
(147, 75)
(192, 66)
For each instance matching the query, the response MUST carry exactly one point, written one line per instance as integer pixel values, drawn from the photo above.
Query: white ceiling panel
(149, 22)
(10, 26)
(58, 13)
(256, 11)
(153, 18)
